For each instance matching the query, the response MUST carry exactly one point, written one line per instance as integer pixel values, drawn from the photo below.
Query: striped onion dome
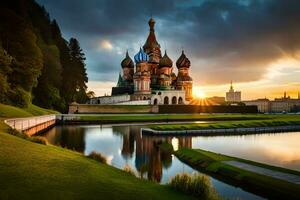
(141, 56)
(127, 62)
(183, 61)
(165, 61)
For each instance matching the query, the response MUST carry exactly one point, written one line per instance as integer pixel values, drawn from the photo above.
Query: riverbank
(223, 131)
(33, 171)
(267, 123)
(166, 118)
(270, 181)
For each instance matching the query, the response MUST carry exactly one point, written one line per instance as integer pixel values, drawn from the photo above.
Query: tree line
(37, 65)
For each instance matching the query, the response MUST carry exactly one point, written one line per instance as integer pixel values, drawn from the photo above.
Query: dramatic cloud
(225, 40)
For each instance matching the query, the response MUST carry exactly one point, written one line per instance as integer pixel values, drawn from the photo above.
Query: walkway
(268, 172)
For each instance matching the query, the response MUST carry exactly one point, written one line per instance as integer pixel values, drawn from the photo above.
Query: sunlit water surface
(125, 145)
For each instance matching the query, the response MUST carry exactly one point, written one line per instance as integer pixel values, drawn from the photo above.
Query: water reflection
(280, 149)
(149, 159)
(71, 138)
(125, 145)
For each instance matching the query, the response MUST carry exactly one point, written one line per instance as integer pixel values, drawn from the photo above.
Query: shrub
(129, 170)
(97, 156)
(19, 97)
(196, 185)
(39, 140)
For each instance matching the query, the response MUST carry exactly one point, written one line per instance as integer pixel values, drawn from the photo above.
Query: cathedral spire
(151, 46)
(231, 86)
(151, 41)
(151, 24)
(284, 95)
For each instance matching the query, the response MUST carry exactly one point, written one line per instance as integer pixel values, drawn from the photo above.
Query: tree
(26, 65)
(47, 93)
(74, 75)
(5, 63)
(36, 63)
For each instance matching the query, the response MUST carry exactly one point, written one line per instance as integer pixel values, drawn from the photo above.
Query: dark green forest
(37, 65)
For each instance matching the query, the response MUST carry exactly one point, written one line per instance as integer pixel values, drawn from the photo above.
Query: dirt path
(268, 172)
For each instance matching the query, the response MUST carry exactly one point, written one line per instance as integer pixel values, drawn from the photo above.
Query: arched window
(166, 100)
(159, 93)
(155, 102)
(174, 100)
(145, 98)
(180, 101)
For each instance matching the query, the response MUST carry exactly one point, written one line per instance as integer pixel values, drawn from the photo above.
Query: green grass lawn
(33, 171)
(7, 111)
(211, 163)
(115, 118)
(235, 122)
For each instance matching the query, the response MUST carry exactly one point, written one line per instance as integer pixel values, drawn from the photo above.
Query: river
(125, 145)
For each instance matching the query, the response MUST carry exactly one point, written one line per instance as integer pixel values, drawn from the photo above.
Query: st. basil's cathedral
(150, 76)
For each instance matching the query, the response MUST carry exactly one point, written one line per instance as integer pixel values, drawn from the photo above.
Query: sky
(254, 43)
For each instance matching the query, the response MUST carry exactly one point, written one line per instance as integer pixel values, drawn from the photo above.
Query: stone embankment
(222, 131)
(32, 125)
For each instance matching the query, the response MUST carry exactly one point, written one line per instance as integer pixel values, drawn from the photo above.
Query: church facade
(149, 76)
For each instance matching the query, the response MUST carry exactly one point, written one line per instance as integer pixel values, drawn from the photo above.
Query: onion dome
(183, 61)
(127, 62)
(141, 56)
(165, 61)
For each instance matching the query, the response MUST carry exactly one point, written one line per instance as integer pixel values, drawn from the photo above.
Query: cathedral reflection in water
(143, 150)
(149, 158)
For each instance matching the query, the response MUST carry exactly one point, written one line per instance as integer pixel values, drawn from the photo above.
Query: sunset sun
(198, 93)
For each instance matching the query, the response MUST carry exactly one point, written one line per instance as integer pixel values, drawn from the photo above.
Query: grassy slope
(264, 121)
(33, 171)
(7, 111)
(212, 163)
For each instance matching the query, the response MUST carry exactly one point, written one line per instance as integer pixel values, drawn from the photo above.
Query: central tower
(152, 48)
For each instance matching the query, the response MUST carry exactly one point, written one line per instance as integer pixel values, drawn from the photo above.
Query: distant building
(278, 105)
(285, 104)
(263, 105)
(233, 96)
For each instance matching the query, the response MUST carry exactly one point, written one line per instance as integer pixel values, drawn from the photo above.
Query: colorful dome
(165, 61)
(127, 62)
(141, 56)
(183, 61)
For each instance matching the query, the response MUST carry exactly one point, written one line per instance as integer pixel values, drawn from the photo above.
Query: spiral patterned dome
(183, 61)
(165, 61)
(141, 56)
(127, 62)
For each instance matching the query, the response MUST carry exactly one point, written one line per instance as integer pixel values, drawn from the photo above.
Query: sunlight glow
(198, 93)
(175, 143)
